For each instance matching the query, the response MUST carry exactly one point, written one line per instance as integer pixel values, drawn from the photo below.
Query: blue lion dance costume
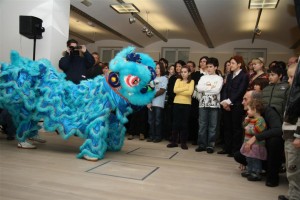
(95, 109)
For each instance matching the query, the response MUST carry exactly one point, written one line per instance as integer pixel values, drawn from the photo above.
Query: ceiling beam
(81, 37)
(256, 25)
(95, 21)
(192, 8)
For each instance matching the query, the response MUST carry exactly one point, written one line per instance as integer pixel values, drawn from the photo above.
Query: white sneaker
(37, 138)
(26, 145)
(90, 158)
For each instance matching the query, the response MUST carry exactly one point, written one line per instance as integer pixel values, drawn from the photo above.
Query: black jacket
(94, 71)
(274, 124)
(170, 89)
(293, 101)
(235, 88)
(75, 67)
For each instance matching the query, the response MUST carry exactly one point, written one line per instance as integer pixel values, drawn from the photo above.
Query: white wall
(55, 15)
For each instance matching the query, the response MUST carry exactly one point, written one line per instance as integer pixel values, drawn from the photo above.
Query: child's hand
(149, 106)
(242, 167)
(249, 143)
(226, 106)
(296, 142)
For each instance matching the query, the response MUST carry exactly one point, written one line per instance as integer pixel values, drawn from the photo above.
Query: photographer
(76, 61)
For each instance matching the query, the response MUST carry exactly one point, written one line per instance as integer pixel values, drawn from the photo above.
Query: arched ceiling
(218, 22)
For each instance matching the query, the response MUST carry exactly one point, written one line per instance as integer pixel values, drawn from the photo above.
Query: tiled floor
(141, 170)
(124, 170)
(157, 153)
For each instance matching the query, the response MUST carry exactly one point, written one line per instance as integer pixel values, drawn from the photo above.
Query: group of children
(209, 89)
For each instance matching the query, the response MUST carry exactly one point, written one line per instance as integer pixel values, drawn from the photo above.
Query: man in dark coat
(272, 137)
(73, 64)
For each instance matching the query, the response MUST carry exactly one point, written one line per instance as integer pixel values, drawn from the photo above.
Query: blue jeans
(155, 123)
(208, 121)
(254, 165)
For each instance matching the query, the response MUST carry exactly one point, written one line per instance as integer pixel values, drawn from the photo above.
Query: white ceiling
(224, 20)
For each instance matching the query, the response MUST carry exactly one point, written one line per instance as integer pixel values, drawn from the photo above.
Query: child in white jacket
(209, 87)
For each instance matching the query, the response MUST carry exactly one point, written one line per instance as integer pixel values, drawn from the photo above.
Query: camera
(72, 48)
(75, 50)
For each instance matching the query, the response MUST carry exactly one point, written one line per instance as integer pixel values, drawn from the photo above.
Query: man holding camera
(76, 61)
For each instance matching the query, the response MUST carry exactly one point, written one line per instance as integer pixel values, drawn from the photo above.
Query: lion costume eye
(132, 81)
(113, 80)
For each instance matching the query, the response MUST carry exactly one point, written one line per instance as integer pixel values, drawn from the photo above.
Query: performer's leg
(116, 134)
(94, 147)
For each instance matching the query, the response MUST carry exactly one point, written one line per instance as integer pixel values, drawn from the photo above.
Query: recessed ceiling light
(125, 8)
(262, 4)
(91, 24)
(86, 3)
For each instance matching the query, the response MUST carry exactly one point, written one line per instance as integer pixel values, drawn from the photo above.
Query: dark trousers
(7, 123)
(181, 113)
(194, 121)
(168, 120)
(233, 128)
(138, 122)
(275, 150)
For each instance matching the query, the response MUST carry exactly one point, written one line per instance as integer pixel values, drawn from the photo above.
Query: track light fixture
(132, 20)
(147, 31)
(257, 31)
(144, 29)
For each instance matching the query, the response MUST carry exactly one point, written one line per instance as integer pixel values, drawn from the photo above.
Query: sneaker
(209, 149)
(37, 138)
(245, 174)
(90, 158)
(130, 137)
(26, 145)
(200, 149)
(254, 177)
(142, 137)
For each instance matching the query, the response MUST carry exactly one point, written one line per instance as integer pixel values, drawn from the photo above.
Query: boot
(183, 139)
(174, 140)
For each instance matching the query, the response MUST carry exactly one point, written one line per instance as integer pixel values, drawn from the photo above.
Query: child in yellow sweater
(183, 89)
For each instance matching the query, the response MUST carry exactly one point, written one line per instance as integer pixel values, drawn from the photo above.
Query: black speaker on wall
(31, 27)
